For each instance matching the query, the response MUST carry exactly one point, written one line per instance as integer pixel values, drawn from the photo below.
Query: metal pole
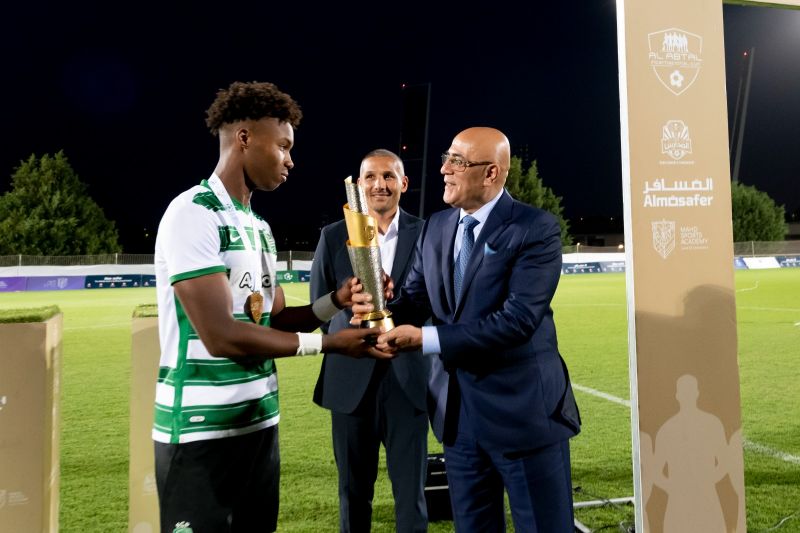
(736, 111)
(424, 155)
(740, 129)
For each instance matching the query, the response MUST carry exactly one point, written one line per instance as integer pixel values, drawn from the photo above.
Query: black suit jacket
(343, 380)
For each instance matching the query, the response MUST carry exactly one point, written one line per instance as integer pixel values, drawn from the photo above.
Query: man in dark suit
(374, 403)
(487, 271)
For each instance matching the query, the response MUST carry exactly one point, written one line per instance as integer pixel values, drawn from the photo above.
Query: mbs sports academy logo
(663, 237)
(675, 58)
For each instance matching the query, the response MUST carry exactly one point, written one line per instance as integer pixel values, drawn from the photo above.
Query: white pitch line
(748, 444)
(754, 287)
(766, 450)
(588, 305)
(601, 394)
(73, 328)
(778, 309)
(116, 325)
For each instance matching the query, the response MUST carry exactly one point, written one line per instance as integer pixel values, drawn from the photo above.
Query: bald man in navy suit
(486, 271)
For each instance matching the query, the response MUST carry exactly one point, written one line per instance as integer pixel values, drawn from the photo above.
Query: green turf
(28, 314)
(591, 319)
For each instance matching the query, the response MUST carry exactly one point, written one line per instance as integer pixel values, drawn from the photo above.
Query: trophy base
(384, 322)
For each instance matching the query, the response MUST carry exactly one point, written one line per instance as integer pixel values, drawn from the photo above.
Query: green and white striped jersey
(199, 396)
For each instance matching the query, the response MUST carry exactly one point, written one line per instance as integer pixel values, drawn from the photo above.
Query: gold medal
(255, 306)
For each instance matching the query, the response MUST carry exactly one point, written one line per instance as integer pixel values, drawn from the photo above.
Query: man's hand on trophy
(343, 297)
(362, 307)
(388, 286)
(400, 338)
(355, 342)
(361, 301)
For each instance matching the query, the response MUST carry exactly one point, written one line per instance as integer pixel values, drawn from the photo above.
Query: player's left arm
(309, 317)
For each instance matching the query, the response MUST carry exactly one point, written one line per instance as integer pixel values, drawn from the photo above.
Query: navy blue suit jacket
(343, 380)
(499, 338)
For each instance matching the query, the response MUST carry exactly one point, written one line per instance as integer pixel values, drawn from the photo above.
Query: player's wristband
(324, 307)
(309, 344)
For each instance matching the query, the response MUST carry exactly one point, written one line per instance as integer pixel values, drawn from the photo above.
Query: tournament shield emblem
(675, 58)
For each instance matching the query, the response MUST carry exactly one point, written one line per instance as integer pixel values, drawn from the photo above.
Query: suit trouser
(220, 485)
(538, 483)
(385, 415)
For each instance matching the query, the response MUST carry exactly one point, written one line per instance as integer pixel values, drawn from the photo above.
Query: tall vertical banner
(686, 422)
(30, 420)
(145, 351)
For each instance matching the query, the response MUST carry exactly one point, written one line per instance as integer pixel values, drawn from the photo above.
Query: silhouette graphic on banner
(689, 457)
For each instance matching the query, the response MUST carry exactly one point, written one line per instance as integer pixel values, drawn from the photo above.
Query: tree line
(49, 211)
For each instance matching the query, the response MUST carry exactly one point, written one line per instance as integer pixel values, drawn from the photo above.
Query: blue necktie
(467, 243)
(439, 379)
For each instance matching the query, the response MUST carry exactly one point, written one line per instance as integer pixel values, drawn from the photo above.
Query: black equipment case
(437, 491)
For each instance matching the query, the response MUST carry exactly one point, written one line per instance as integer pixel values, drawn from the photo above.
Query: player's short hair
(251, 101)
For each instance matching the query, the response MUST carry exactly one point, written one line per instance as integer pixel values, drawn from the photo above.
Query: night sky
(124, 95)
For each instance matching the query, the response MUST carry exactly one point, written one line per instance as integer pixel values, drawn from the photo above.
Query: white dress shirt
(388, 243)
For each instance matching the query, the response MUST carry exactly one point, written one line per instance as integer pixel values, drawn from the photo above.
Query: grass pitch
(591, 319)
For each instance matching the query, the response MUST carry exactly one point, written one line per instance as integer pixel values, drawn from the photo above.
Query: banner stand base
(596, 503)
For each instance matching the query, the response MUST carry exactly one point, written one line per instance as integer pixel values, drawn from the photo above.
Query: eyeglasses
(459, 165)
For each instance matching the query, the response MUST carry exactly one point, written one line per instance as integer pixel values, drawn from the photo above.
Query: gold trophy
(365, 254)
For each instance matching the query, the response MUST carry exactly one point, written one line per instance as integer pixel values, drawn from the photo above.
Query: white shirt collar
(388, 243)
(393, 228)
